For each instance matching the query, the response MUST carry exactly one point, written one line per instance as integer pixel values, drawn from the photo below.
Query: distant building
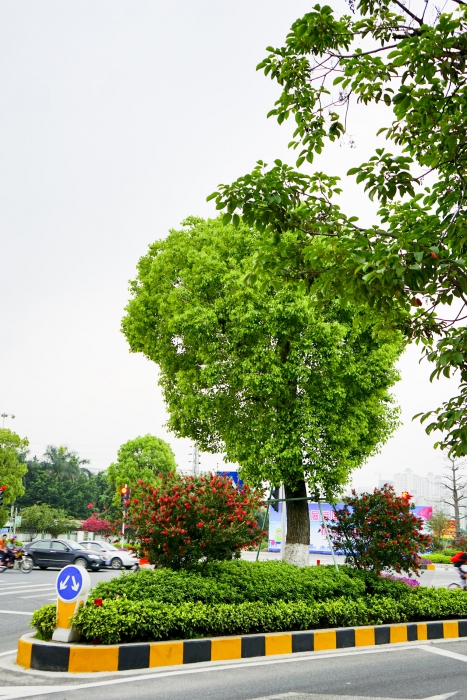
(426, 490)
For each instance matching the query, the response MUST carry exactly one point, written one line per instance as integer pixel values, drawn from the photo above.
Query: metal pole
(262, 527)
(327, 535)
(283, 521)
(123, 529)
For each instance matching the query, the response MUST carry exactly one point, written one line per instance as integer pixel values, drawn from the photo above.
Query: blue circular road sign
(69, 583)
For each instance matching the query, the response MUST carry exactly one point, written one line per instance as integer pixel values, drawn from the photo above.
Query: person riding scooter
(7, 558)
(460, 562)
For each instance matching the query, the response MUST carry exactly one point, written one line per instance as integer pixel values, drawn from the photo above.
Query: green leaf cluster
(287, 391)
(62, 492)
(239, 581)
(42, 518)
(141, 458)
(410, 264)
(12, 467)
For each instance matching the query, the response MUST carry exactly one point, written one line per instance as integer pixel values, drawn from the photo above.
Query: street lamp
(6, 415)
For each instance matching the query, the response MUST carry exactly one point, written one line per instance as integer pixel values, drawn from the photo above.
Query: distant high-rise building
(428, 489)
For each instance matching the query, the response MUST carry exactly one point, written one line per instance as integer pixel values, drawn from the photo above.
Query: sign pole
(327, 535)
(72, 587)
(122, 541)
(283, 520)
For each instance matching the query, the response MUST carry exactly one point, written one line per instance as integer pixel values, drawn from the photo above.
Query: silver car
(114, 557)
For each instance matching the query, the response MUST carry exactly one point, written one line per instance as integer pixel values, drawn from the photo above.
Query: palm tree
(62, 463)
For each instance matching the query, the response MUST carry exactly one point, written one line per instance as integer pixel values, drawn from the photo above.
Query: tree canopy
(12, 468)
(62, 463)
(42, 518)
(410, 264)
(292, 394)
(142, 458)
(64, 485)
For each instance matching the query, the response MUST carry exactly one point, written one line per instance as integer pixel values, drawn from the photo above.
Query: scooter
(22, 561)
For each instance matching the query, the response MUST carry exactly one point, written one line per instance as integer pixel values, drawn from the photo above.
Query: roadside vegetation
(238, 597)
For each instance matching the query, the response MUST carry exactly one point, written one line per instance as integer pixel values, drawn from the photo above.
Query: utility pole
(195, 460)
(6, 415)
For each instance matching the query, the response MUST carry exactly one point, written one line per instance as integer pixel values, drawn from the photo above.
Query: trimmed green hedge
(241, 581)
(120, 620)
(123, 620)
(229, 598)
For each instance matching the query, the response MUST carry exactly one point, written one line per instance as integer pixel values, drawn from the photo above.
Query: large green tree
(42, 518)
(411, 263)
(291, 394)
(12, 467)
(141, 458)
(62, 463)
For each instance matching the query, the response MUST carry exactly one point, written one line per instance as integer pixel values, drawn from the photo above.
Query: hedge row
(240, 581)
(123, 620)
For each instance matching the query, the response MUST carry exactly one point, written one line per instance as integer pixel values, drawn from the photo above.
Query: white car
(114, 557)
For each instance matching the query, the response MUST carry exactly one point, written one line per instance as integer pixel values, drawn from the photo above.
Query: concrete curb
(87, 658)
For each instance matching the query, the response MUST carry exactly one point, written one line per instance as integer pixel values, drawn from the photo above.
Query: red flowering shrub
(187, 519)
(377, 531)
(96, 524)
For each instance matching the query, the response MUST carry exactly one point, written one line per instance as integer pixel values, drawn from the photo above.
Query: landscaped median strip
(79, 658)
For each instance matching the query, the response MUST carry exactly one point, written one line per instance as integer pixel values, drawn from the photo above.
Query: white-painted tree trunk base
(297, 554)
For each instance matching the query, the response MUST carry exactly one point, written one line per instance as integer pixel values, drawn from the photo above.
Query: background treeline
(61, 480)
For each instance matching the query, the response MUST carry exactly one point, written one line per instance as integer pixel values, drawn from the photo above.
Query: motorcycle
(22, 562)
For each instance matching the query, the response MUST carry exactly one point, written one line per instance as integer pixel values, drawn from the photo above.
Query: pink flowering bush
(95, 523)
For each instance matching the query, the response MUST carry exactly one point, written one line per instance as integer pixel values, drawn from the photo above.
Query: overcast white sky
(117, 119)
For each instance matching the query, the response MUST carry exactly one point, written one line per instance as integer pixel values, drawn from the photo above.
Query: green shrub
(45, 621)
(450, 551)
(240, 581)
(123, 620)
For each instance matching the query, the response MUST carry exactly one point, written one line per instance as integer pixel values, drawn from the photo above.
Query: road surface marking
(326, 696)
(31, 589)
(444, 652)
(7, 586)
(15, 612)
(43, 595)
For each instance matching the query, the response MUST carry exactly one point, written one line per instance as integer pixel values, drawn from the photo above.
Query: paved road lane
(21, 594)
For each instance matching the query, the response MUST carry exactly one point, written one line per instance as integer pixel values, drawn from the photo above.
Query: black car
(60, 553)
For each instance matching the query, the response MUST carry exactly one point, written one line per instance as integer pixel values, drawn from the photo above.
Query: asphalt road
(419, 670)
(411, 671)
(21, 594)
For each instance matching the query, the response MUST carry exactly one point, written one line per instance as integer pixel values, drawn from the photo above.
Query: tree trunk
(297, 542)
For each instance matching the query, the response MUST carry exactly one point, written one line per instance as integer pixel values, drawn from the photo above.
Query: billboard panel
(318, 541)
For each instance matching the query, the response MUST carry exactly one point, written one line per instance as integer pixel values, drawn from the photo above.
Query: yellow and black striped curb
(79, 658)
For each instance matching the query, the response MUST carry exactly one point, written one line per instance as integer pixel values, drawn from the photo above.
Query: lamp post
(6, 415)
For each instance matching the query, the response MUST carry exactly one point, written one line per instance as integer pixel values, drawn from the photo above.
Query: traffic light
(275, 494)
(124, 495)
(2, 490)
